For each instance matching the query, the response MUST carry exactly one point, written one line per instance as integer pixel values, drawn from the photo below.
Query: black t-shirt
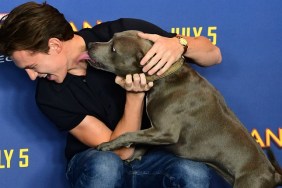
(95, 94)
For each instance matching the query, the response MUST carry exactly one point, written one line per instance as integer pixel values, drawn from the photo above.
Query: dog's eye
(113, 49)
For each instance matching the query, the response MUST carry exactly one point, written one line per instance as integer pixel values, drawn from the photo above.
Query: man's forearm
(130, 121)
(202, 51)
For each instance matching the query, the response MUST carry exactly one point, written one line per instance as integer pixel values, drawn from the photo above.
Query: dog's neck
(177, 65)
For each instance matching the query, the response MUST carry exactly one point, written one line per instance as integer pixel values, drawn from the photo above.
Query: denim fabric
(92, 168)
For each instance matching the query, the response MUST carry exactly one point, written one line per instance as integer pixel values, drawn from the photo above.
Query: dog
(188, 116)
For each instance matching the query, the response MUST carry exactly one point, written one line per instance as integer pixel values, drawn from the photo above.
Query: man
(89, 105)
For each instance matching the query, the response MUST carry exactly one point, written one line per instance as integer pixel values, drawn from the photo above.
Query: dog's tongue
(83, 56)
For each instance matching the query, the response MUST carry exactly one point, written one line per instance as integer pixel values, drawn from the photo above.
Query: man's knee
(186, 173)
(104, 164)
(95, 168)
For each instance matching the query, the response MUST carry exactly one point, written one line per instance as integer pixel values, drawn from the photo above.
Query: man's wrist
(183, 42)
(135, 95)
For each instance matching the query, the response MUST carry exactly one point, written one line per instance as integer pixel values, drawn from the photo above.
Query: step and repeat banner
(250, 77)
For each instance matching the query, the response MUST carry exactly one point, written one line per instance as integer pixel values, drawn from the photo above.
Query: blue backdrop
(250, 77)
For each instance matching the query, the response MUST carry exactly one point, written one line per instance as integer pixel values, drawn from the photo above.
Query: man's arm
(202, 51)
(166, 51)
(93, 132)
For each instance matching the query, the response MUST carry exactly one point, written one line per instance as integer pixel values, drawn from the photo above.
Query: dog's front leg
(149, 136)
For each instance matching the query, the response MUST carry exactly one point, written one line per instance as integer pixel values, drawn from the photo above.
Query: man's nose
(31, 73)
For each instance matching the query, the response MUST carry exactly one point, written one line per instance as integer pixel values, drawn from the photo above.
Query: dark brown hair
(30, 26)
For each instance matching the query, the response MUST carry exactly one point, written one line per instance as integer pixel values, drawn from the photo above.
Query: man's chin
(55, 79)
(58, 81)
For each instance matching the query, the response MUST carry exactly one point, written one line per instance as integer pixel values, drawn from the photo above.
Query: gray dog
(188, 116)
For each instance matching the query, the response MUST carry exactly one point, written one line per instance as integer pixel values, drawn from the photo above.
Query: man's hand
(162, 55)
(134, 83)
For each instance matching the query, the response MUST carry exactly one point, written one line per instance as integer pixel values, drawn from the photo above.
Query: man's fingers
(136, 80)
(161, 63)
(119, 80)
(153, 61)
(151, 37)
(143, 81)
(128, 81)
(149, 55)
(153, 50)
(150, 84)
(134, 83)
(164, 68)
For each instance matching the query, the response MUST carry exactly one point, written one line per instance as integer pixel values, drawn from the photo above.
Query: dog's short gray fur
(188, 116)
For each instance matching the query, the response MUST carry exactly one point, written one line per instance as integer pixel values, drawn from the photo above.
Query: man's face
(52, 66)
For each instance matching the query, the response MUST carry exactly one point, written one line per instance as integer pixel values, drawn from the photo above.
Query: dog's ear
(139, 56)
(146, 45)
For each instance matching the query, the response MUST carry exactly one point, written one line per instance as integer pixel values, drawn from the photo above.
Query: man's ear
(55, 45)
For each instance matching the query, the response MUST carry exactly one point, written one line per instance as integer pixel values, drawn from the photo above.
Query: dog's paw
(138, 153)
(108, 146)
(104, 147)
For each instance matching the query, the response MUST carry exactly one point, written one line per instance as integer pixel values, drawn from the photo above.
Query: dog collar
(177, 65)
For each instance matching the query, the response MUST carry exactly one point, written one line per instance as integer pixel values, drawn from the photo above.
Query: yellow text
(20, 158)
(270, 137)
(197, 31)
(85, 24)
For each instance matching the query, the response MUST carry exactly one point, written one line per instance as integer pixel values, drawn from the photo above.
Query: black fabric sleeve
(58, 105)
(64, 120)
(105, 31)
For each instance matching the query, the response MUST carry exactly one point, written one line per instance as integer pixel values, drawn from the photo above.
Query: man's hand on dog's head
(162, 55)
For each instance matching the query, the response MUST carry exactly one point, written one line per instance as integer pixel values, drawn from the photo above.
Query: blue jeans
(92, 168)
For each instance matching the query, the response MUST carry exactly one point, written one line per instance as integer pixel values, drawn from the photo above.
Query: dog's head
(121, 55)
